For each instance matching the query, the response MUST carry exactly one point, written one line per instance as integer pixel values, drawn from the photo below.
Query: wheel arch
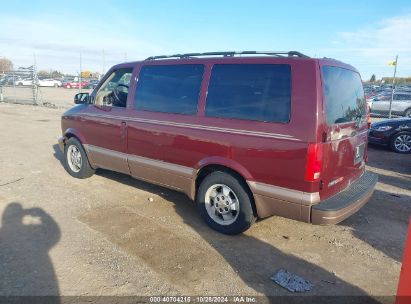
(70, 132)
(229, 166)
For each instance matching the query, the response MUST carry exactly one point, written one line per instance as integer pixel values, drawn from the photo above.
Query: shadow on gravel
(26, 236)
(368, 222)
(254, 260)
(58, 154)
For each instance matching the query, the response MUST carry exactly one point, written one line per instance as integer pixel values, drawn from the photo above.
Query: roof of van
(231, 54)
(244, 54)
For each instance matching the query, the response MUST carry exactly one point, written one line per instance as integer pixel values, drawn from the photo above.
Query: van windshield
(344, 95)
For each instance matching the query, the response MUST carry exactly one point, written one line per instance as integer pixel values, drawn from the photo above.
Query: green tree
(373, 78)
(43, 74)
(56, 75)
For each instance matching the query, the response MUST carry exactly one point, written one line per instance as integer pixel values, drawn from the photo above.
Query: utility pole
(34, 80)
(104, 63)
(393, 86)
(79, 79)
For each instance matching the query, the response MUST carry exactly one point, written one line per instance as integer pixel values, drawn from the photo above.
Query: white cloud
(371, 47)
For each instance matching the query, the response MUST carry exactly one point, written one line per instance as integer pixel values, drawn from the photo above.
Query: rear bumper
(340, 206)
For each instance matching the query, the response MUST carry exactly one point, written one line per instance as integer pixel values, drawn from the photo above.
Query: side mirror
(81, 98)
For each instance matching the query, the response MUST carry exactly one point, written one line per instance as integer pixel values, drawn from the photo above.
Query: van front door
(106, 127)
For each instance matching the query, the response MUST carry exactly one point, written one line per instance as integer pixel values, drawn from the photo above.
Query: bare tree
(5, 65)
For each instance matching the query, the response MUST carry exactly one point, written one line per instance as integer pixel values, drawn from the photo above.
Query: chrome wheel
(222, 204)
(403, 143)
(74, 159)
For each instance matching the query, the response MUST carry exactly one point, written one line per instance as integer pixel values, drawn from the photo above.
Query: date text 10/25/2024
(200, 299)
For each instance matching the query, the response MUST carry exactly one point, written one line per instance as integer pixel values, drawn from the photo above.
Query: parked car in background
(24, 82)
(9, 80)
(49, 83)
(243, 136)
(394, 133)
(401, 104)
(92, 84)
(75, 84)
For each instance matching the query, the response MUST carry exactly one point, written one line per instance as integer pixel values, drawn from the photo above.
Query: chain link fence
(23, 86)
(397, 101)
(19, 86)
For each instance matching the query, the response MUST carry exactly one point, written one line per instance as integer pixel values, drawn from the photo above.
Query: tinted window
(402, 97)
(344, 95)
(169, 88)
(250, 91)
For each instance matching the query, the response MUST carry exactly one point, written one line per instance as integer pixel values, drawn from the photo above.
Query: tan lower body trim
(107, 159)
(165, 174)
(274, 200)
(269, 199)
(285, 194)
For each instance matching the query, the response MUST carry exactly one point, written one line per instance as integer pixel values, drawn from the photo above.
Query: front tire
(407, 113)
(75, 159)
(225, 203)
(401, 142)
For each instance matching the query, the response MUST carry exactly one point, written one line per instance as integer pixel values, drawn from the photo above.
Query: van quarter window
(344, 95)
(250, 91)
(169, 88)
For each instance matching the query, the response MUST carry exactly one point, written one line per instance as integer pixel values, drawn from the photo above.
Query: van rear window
(169, 88)
(259, 92)
(344, 95)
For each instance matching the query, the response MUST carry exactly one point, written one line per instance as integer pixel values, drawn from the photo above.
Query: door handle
(123, 129)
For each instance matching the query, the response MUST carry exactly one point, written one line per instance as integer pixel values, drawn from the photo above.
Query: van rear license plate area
(359, 153)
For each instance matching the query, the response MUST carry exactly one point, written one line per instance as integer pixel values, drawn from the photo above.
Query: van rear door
(345, 109)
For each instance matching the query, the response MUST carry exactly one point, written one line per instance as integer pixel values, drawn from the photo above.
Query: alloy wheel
(222, 204)
(403, 143)
(74, 158)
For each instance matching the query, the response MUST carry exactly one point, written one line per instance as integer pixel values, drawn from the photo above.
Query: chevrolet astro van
(245, 135)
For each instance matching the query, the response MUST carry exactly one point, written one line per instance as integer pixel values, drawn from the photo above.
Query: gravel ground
(111, 235)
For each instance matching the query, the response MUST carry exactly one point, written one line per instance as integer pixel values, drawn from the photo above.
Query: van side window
(259, 92)
(169, 88)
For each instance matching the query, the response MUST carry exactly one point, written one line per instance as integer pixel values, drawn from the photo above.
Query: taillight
(368, 116)
(314, 162)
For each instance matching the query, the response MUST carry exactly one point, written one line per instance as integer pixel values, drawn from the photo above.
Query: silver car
(401, 104)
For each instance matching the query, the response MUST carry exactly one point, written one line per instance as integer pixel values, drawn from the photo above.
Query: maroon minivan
(244, 134)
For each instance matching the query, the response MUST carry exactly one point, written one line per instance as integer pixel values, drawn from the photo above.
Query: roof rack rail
(231, 54)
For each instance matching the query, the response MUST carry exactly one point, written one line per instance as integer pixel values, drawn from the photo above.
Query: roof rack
(231, 54)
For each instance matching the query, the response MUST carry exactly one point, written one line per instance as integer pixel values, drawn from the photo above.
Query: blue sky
(366, 34)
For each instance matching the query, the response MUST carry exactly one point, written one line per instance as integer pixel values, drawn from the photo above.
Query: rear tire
(75, 159)
(401, 142)
(225, 203)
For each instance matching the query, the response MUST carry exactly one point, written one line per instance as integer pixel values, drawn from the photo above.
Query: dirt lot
(103, 236)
